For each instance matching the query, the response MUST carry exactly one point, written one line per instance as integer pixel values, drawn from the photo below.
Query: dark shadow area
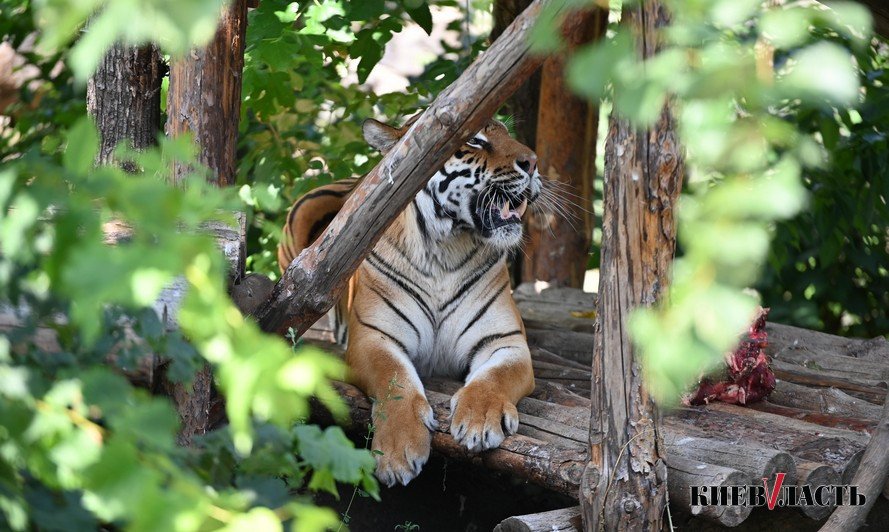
(447, 496)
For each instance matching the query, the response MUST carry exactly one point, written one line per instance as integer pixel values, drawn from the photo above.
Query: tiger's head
(484, 188)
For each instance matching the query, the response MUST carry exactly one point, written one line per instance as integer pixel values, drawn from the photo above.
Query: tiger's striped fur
(433, 297)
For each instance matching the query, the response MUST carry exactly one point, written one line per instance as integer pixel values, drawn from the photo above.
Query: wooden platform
(814, 427)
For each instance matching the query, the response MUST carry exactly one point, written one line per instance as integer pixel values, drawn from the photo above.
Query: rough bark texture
(870, 479)
(756, 461)
(564, 520)
(522, 105)
(313, 281)
(624, 484)
(124, 98)
(205, 99)
(685, 472)
(558, 243)
(814, 474)
(205, 95)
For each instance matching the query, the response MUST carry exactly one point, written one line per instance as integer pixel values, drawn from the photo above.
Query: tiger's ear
(380, 135)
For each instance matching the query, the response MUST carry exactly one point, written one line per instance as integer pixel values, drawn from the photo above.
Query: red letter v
(772, 496)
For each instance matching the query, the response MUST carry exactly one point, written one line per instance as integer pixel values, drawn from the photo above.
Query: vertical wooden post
(558, 243)
(205, 95)
(205, 99)
(124, 98)
(624, 483)
(522, 105)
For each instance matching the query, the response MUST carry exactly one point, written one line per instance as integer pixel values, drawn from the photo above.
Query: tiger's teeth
(522, 207)
(504, 210)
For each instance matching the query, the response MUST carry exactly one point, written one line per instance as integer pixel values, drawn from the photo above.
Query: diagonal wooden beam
(314, 280)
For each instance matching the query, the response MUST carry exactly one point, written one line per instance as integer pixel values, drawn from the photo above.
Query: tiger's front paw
(482, 417)
(401, 439)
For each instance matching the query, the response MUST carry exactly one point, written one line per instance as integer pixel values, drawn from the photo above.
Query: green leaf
(254, 520)
(823, 70)
(83, 144)
(422, 16)
(332, 455)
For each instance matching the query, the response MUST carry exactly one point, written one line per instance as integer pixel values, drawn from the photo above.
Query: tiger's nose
(528, 163)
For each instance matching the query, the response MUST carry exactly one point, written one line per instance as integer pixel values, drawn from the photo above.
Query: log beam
(314, 280)
(870, 479)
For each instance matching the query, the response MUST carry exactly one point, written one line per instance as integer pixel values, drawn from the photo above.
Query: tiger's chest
(441, 311)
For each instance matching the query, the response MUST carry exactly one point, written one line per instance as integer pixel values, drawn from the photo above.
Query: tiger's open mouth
(498, 211)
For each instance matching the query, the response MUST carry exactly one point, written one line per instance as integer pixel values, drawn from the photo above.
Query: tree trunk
(124, 98)
(313, 281)
(624, 484)
(205, 100)
(559, 242)
(522, 105)
(205, 96)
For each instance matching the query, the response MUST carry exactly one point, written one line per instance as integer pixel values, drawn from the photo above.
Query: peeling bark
(624, 485)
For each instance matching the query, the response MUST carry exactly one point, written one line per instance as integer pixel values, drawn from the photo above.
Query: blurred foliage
(742, 77)
(80, 441)
(173, 24)
(304, 101)
(80, 446)
(828, 267)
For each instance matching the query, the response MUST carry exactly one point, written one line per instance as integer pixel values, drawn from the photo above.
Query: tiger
(433, 297)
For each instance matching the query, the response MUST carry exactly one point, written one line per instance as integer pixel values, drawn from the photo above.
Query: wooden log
(555, 466)
(558, 394)
(314, 280)
(814, 474)
(824, 400)
(541, 354)
(685, 472)
(549, 447)
(522, 105)
(871, 480)
(560, 308)
(825, 420)
(753, 460)
(624, 484)
(571, 345)
(835, 447)
(204, 97)
(557, 243)
(564, 520)
(871, 390)
(786, 336)
(849, 367)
